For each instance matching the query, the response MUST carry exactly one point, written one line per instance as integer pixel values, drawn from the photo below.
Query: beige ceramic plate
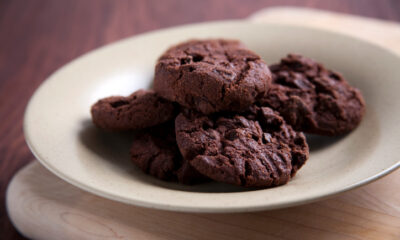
(60, 134)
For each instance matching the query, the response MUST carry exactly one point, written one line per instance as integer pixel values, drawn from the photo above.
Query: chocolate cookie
(252, 149)
(154, 151)
(211, 75)
(312, 98)
(143, 108)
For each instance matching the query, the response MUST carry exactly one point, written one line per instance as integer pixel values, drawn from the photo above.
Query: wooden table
(37, 37)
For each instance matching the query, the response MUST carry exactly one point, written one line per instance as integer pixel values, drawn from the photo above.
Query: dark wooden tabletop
(37, 37)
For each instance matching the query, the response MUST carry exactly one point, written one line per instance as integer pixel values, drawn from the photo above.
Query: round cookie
(312, 98)
(211, 75)
(142, 109)
(252, 149)
(154, 150)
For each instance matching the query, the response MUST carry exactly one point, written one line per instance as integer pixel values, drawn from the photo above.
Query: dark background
(39, 36)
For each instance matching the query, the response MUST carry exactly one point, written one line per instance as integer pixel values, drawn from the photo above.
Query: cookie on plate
(252, 149)
(211, 75)
(312, 98)
(155, 152)
(142, 109)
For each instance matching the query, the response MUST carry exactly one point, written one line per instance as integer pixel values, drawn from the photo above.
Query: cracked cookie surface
(211, 75)
(155, 152)
(312, 98)
(253, 149)
(142, 109)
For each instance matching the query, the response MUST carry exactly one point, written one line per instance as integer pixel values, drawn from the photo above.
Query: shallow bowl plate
(59, 132)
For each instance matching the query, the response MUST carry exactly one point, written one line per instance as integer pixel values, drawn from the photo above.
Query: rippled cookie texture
(142, 109)
(312, 98)
(218, 112)
(211, 75)
(155, 152)
(255, 148)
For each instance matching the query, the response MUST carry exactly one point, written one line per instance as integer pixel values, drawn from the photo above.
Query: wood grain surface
(45, 207)
(39, 36)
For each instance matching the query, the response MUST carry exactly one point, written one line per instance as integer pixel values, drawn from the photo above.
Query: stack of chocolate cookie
(218, 113)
